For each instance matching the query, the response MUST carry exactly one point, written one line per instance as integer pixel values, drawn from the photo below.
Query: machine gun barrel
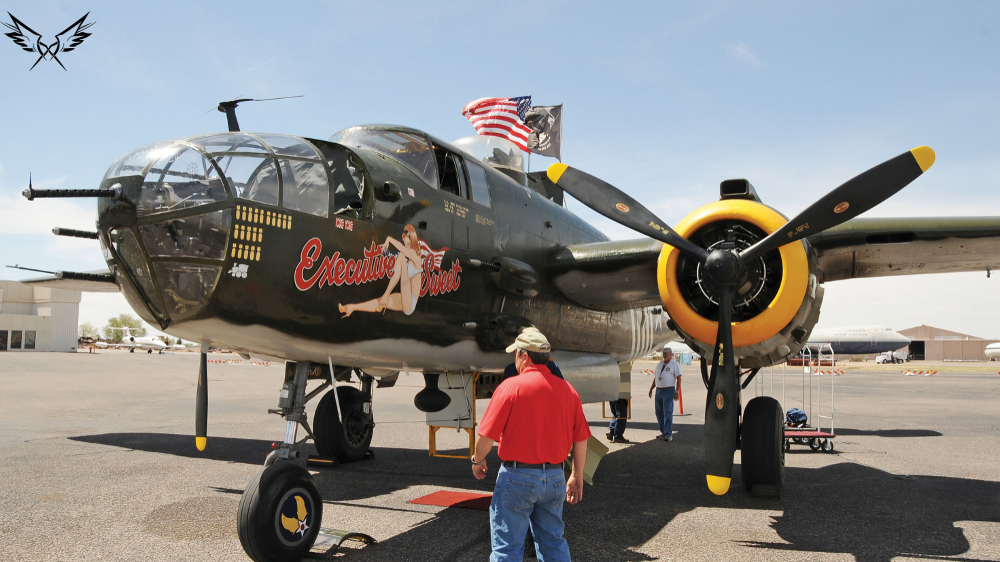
(114, 192)
(78, 276)
(74, 233)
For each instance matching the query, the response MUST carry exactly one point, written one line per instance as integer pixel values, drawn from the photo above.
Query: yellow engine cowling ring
(787, 301)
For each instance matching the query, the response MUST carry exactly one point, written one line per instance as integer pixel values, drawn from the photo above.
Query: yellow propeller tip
(718, 484)
(201, 443)
(556, 171)
(924, 156)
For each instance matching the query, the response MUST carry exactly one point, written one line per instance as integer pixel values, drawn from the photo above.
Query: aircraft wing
(879, 247)
(98, 281)
(607, 276)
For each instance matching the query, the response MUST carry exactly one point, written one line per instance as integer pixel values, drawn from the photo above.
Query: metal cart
(816, 437)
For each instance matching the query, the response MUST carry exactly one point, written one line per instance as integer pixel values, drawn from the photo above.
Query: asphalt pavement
(99, 463)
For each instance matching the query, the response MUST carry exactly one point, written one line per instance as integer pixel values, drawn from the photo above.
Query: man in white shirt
(666, 379)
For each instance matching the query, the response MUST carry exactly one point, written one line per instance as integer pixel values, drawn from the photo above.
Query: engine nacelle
(776, 303)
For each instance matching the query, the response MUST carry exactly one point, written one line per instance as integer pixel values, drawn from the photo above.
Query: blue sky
(662, 99)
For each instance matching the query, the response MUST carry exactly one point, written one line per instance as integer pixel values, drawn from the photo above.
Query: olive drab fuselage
(278, 282)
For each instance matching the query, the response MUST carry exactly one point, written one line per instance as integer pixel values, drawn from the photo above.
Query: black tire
(815, 444)
(275, 500)
(763, 453)
(827, 445)
(348, 442)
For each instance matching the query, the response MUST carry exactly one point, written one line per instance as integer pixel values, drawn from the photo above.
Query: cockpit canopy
(409, 147)
(495, 151)
(280, 170)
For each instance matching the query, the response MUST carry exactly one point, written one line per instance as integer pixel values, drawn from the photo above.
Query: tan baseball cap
(530, 339)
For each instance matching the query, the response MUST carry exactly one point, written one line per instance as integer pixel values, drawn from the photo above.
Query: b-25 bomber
(385, 249)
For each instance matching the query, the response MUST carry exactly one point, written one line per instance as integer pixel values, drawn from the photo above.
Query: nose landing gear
(281, 509)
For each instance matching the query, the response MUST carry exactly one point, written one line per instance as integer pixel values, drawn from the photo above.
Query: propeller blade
(723, 406)
(613, 203)
(201, 405)
(859, 194)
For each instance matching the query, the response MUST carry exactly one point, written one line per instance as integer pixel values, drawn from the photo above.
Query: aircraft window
(185, 286)
(479, 188)
(29, 339)
(201, 236)
(133, 163)
(15, 339)
(181, 179)
(463, 189)
(450, 178)
(289, 146)
(3, 340)
(251, 178)
(306, 187)
(408, 149)
(128, 249)
(230, 143)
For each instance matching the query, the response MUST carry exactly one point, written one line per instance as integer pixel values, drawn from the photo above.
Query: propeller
(201, 404)
(725, 267)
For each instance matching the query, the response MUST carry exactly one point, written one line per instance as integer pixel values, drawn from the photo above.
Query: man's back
(536, 417)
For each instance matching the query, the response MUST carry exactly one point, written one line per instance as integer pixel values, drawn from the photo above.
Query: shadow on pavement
(890, 432)
(841, 508)
(230, 449)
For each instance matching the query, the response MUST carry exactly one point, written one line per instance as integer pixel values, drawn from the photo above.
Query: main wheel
(348, 441)
(763, 465)
(280, 513)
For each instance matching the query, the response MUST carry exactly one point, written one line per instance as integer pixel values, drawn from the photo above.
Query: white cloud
(741, 53)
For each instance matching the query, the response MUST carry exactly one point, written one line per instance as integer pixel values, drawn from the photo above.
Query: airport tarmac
(99, 463)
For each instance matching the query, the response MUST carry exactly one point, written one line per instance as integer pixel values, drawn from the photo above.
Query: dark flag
(546, 130)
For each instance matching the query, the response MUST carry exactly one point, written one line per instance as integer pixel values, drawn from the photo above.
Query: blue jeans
(523, 498)
(664, 399)
(619, 409)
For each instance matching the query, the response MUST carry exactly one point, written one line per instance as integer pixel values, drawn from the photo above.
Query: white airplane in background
(148, 343)
(859, 340)
(993, 351)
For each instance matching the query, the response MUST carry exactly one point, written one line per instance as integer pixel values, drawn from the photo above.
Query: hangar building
(935, 344)
(38, 318)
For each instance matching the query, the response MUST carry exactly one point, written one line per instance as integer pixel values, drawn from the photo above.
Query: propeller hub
(723, 267)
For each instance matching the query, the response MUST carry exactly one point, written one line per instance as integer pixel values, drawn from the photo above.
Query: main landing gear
(761, 444)
(281, 509)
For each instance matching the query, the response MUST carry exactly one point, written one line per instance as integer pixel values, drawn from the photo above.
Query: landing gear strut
(281, 509)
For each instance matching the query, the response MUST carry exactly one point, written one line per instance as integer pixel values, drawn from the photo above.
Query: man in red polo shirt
(538, 419)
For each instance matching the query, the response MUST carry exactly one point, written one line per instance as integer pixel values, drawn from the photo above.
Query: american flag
(432, 259)
(501, 117)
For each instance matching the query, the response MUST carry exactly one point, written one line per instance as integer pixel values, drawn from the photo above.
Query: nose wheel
(279, 514)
